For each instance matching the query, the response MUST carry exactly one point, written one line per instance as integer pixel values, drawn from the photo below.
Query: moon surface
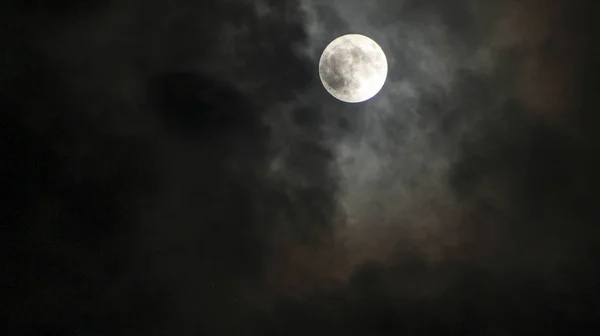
(353, 68)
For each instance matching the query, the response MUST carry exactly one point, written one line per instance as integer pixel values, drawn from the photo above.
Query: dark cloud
(177, 168)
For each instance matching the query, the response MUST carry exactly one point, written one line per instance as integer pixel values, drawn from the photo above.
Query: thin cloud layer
(177, 168)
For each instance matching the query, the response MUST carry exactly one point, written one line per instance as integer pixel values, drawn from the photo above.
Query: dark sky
(176, 168)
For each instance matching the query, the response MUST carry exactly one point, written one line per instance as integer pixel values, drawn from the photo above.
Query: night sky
(175, 167)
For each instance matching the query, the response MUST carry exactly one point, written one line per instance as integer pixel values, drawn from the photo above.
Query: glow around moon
(353, 68)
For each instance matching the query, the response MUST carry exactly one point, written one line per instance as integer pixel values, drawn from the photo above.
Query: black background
(139, 198)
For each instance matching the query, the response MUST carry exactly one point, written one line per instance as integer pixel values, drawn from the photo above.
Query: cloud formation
(177, 168)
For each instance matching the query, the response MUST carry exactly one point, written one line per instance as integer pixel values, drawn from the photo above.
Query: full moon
(353, 68)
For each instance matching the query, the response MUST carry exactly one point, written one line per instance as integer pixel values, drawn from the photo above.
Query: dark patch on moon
(338, 68)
